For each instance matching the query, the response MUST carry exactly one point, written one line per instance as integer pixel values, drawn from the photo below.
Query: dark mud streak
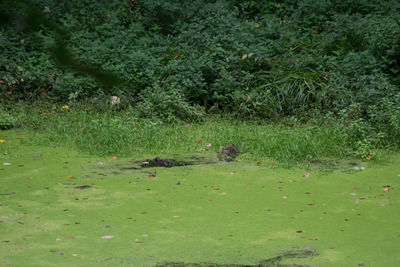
(83, 187)
(166, 163)
(162, 162)
(7, 194)
(294, 253)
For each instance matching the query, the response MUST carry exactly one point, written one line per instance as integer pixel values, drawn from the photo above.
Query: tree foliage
(250, 58)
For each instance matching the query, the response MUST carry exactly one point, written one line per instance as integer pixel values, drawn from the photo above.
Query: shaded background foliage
(184, 58)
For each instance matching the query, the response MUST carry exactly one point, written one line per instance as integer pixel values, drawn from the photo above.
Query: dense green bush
(7, 121)
(385, 117)
(165, 104)
(176, 58)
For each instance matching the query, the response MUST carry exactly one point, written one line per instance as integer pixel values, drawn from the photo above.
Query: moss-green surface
(224, 213)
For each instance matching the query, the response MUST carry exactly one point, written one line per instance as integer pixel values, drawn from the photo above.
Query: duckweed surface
(62, 208)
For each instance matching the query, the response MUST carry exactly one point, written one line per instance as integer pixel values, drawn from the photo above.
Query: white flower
(46, 9)
(115, 100)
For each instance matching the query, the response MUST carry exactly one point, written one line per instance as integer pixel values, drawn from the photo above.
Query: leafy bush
(385, 117)
(251, 58)
(165, 105)
(6, 120)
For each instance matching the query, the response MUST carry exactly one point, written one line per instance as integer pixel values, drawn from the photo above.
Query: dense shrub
(7, 121)
(253, 58)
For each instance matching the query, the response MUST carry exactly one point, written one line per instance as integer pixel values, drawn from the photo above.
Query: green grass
(121, 133)
(223, 213)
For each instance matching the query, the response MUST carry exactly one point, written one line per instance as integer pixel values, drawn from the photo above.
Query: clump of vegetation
(6, 120)
(228, 152)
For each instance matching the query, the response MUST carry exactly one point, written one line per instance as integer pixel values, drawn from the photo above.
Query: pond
(62, 208)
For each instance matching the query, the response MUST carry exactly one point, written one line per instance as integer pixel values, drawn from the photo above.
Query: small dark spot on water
(83, 187)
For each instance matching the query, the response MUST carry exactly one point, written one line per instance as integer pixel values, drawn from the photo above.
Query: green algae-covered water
(62, 208)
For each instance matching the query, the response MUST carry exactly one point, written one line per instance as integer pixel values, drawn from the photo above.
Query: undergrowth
(178, 58)
(119, 133)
